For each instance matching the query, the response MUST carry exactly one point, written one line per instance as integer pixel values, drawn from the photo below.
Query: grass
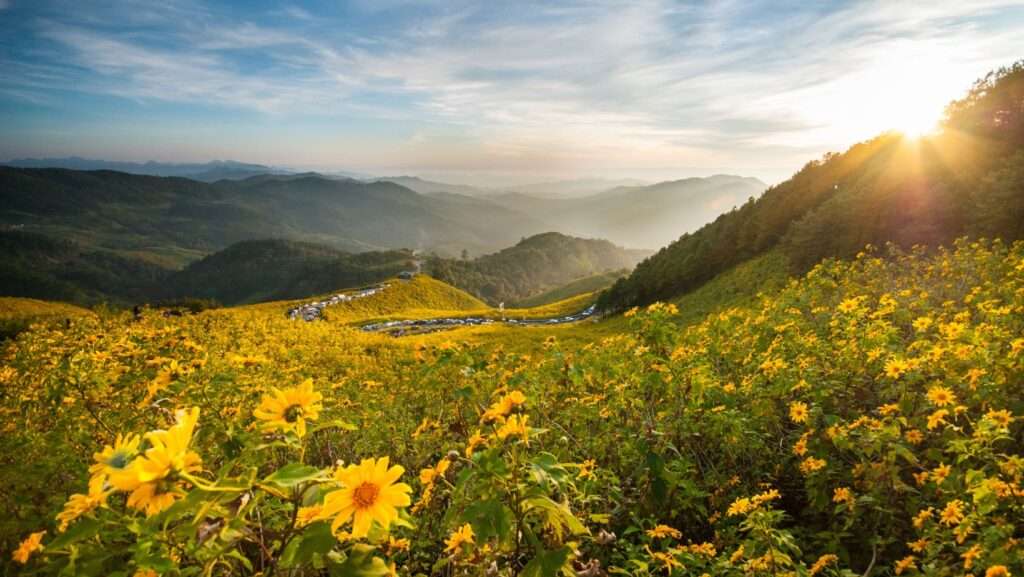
(18, 314)
(590, 284)
(738, 286)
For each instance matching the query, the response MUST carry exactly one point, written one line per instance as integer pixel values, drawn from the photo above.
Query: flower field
(861, 420)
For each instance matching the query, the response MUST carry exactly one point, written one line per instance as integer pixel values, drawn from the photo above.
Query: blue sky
(486, 91)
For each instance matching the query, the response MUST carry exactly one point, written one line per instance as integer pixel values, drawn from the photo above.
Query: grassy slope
(17, 314)
(737, 286)
(584, 285)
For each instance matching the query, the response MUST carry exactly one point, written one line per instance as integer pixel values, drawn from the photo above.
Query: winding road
(314, 310)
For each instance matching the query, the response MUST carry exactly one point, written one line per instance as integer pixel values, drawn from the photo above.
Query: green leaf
(547, 563)
(490, 519)
(556, 516)
(292, 474)
(82, 529)
(360, 563)
(547, 471)
(334, 424)
(315, 540)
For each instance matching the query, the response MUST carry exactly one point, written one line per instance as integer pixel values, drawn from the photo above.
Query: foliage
(18, 314)
(584, 285)
(535, 264)
(865, 416)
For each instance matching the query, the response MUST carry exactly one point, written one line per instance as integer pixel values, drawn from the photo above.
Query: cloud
(651, 82)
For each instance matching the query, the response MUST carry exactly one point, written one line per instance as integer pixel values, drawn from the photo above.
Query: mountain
(574, 188)
(176, 220)
(532, 266)
(274, 269)
(640, 216)
(422, 186)
(966, 180)
(206, 172)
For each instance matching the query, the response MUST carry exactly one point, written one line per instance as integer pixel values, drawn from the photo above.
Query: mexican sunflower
(368, 493)
(287, 410)
(150, 478)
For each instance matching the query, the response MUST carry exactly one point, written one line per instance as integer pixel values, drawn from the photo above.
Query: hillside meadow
(862, 419)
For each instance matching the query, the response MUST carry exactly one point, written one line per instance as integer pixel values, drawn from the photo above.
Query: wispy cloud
(647, 84)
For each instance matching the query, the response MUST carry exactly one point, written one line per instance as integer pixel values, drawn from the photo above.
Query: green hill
(41, 267)
(968, 179)
(532, 266)
(261, 270)
(590, 284)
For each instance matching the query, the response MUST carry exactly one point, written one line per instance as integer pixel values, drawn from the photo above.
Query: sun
(916, 122)
(904, 88)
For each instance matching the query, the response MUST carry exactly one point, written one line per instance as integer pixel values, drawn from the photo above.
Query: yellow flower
(368, 493)
(940, 473)
(78, 504)
(667, 560)
(515, 426)
(587, 469)
(736, 555)
(113, 459)
(662, 531)
(30, 545)
(914, 436)
(843, 495)
(998, 571)
(923, 516)
(428, 476)
(953, 513)
(1003, 418)
(918, 546)
(937, 418)
(941, 396)
(475, 441)
(459, 537)
(306, 515)
(970, 555)
(395, 545)
(798, 412)
(896, 367)
(150, 477)
(706, 549)
(889, 409)
(812, 464)
(504, 406)
(287, 410)
(905, 564)
(821, 563)
(739, 507)
(145, 572)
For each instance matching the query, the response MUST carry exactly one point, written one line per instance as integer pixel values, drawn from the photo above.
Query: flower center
(118, 460)
(292, 413)
(365, 495)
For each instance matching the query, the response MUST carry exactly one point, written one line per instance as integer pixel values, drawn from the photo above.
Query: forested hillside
(968, 179)
(532, 266)
(173, 221)
(261, 270)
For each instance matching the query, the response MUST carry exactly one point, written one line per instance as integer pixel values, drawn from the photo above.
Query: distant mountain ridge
(641, 216)
(178, 220)
(206, 172)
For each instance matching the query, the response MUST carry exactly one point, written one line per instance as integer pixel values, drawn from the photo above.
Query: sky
(487, 92)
